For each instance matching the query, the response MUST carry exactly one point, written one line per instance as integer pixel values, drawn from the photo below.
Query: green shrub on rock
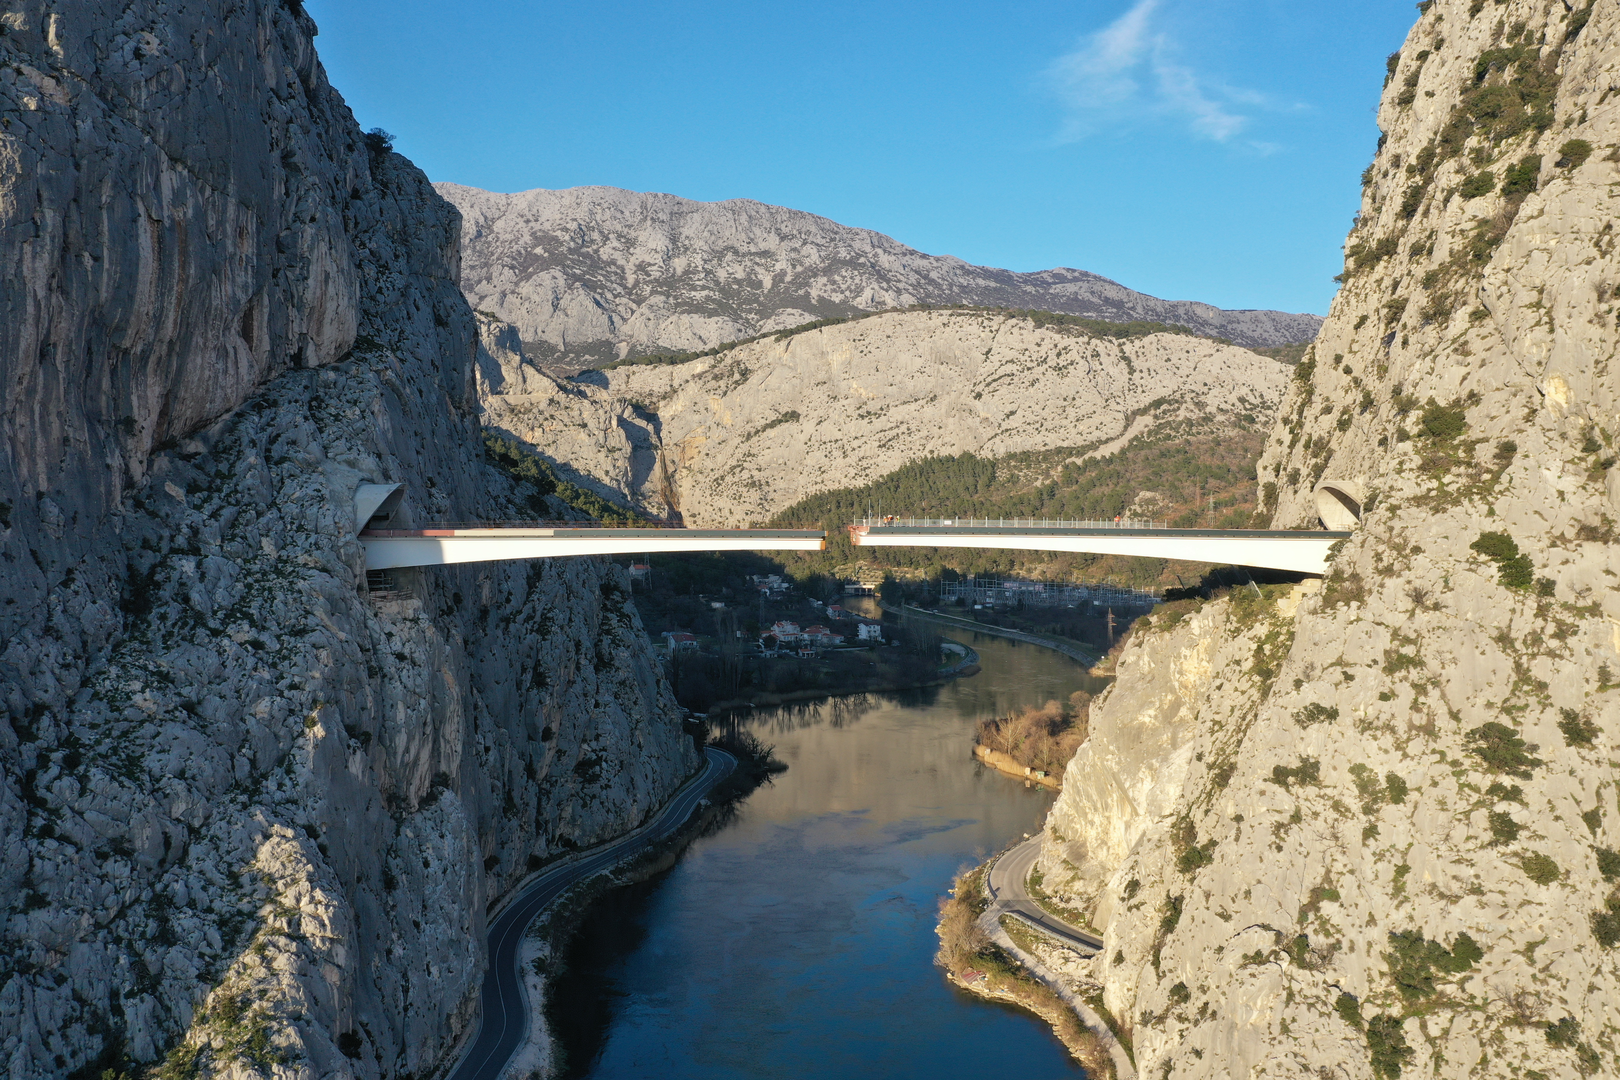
(1443, 422)
(1386, 1047)
(1481, 183)
(1502, 751)
(1514, 570)
(1573, 153)
(1504, 830)
(1539, 868)
(1521, 178)
(1348, 1007)
(1606, 923)
(1413, 961)
(1308, 771)
(1577, 731)
(1316, 713)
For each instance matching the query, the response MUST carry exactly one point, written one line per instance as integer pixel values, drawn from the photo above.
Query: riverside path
(1008, 887)
(505, 1017)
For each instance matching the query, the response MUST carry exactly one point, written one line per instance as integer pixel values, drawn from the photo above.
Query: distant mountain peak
(591, 274)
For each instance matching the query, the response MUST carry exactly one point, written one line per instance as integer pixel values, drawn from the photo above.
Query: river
(797, 940)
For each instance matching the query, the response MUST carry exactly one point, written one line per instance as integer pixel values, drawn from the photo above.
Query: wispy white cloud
(1130, 72)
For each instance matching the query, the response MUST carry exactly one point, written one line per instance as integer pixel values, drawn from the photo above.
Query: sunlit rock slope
(1369, 829)
(739, 436)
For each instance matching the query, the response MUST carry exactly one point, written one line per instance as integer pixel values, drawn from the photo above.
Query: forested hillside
(1182, 476)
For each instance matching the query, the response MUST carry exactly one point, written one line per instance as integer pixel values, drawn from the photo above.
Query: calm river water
(798, 940)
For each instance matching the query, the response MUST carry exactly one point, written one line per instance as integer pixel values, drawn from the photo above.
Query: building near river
(1015, 592)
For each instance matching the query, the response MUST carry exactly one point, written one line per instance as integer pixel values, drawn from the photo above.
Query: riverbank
(543, 950)
(965, 667)
(1006, 764)
(993, 966)
(1067, 648)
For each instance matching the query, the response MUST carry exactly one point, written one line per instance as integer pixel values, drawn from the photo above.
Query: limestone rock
(251, 814)
(1381, 836)
(736, 437)
(597, 273)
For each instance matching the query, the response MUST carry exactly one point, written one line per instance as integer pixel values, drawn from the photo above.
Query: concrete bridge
(389, 548)
(1300, 552)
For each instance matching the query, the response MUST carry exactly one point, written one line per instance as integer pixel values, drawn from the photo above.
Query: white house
(870, 631)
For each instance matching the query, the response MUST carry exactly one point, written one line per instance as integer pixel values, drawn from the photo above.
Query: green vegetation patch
(1565, 1034)
(1573, 154)
(1480, 183)
(1316, 713)
(536, 479)
(1348, 1006)
(1103, 328)
(1501, 750)
(1387, 1050)
(1539, 868)
(1415, 962)
(1514, 569)
(1308, 771)
(1606, 923)
(1190, 470)
(1504, 830)
(1577, 730)
(1521, 178)
(1443, 422)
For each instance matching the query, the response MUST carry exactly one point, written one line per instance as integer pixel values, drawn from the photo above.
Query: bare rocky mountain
(252, 814)
(736, 437)
(593, 274)
(1368, 826)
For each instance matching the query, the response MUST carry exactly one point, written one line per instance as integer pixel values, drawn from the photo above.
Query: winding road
(1008, 886)
(505, 1020)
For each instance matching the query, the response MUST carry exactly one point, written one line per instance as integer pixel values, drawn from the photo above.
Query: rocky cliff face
(596, 273)
(250, 814)
(1371, 829)
(742, 435)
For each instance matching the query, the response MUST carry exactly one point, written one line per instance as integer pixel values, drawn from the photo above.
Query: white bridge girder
(392, 549)
(1300, 552)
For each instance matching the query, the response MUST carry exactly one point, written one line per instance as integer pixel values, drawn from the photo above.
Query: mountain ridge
(740, 436)
(594, 274)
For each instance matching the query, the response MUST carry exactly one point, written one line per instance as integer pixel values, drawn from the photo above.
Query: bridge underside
(1299, 552)
(390, 549)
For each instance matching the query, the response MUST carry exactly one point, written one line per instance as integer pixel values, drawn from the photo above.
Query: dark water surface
(798, 940)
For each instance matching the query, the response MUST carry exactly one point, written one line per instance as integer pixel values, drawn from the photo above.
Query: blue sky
(1193, 150)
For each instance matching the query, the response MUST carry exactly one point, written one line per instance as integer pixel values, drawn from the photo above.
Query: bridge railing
(897, 520)
(435, 526)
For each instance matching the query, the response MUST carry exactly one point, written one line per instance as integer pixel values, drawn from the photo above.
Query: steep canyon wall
(1369, 829)
(251, 815)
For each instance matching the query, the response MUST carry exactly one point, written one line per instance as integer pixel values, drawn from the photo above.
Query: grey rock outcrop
(596, 273)
(737, 437)
(1380, 833)
(251, 815)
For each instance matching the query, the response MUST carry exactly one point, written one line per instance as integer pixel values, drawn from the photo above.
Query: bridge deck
(391, 548)
(1300, 552)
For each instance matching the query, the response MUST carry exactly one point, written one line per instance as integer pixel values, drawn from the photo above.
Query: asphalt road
(505, 1019)
(1008, 886)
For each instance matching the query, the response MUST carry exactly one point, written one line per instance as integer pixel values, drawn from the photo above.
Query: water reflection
(797, 941)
